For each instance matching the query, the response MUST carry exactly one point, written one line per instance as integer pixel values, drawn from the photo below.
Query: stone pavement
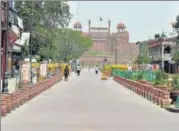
(86, 103)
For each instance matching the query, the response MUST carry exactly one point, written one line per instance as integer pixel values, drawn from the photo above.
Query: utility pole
(30, 44)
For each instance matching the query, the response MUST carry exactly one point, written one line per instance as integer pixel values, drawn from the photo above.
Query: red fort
(114, 46)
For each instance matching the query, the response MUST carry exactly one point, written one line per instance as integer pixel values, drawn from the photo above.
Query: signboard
(177, 102)
(20, 22)
(43, 70)
(25, 72)
(16, 48)
(34, 75)
(24, 40)
(11, 4)
(12, 36)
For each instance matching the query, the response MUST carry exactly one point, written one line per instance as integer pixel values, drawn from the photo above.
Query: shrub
(140, 76)
(161, 78)
(175, 83)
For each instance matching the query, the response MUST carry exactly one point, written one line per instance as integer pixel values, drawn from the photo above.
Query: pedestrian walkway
(86, 103)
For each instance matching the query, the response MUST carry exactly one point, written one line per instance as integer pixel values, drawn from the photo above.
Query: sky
(143, 19)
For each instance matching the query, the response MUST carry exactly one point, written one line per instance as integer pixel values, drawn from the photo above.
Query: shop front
(10, 50)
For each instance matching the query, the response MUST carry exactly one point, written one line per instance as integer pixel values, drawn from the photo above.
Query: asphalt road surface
(86, 103)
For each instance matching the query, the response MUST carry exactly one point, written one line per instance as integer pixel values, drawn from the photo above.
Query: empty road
(86, 103)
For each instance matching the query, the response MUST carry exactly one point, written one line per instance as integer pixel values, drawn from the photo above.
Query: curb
(173, 110)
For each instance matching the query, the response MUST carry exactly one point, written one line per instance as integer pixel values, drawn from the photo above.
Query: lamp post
(139, 57)
(0, 48)
(5, 81)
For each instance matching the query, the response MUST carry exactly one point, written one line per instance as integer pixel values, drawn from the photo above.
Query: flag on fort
(100, 19)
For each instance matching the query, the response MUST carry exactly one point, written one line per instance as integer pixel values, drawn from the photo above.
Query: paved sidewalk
(86, 103)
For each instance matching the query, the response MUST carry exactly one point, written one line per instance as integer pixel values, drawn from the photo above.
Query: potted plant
(174, 92)
(161, 80)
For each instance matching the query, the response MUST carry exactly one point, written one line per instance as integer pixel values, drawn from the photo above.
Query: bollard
(152, 94)
(8, 102)
(3, 106)
(166, 101)
(158, 96)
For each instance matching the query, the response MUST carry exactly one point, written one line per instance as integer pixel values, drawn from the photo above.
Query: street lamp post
(0, 47)
(139, 57)
(5, 81)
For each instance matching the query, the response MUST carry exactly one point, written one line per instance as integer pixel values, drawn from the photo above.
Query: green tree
(43, 21)
(176, 57)
(143, 59)
(69, 44)
(143, 53)
(176, 25)
(50, 36)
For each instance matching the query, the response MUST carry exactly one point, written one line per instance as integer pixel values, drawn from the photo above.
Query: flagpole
(77, 11)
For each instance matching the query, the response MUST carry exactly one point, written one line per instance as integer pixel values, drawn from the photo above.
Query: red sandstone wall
(100, 46)
(125, 49)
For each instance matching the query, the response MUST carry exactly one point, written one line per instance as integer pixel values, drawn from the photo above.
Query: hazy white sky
(142, 19)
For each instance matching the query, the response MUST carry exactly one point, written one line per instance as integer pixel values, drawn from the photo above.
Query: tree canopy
(48, 23)
(176, 57)
(176, 25)
(144, 53)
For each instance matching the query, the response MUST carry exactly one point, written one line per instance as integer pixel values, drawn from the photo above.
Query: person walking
(96, 69)
(78, 70)
(66, 73)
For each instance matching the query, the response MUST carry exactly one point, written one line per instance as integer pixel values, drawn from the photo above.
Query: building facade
(11, 31)
(161, 51)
